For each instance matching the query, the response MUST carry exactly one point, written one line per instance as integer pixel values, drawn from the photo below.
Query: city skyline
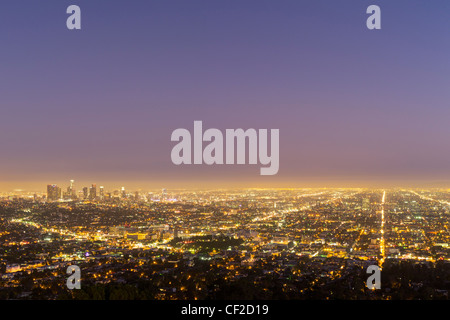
(40, 187)
(71, 190)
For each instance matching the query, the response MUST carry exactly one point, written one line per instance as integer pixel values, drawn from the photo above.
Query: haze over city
(354, 107)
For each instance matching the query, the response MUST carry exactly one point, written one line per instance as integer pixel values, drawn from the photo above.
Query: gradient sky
(99, 105)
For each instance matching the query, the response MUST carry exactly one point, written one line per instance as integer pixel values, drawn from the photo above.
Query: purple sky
(99, 105)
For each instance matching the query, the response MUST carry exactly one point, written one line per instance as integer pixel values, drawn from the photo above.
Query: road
(382, 245)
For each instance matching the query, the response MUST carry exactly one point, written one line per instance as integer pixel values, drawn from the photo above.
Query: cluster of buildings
(55, 193)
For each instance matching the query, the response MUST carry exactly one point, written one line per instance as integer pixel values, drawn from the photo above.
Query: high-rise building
(72, 189)
(71, 193)
(85, 192)
(102, 193)
(52, 192)
(123, 193)
(93, 192)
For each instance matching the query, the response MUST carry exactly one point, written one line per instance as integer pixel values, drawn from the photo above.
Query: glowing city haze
(355, 106)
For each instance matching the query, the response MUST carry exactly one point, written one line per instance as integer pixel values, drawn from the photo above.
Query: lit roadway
(430, 199)
(382, 247)
(445, 203)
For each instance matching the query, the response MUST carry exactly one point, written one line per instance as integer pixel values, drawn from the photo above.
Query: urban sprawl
(225, 244)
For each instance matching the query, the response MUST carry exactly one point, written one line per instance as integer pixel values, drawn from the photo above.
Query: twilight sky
(353, 106)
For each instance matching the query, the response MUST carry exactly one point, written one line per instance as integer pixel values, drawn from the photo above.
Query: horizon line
(40, 187)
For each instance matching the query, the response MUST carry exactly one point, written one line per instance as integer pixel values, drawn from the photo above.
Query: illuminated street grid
(199, 244)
